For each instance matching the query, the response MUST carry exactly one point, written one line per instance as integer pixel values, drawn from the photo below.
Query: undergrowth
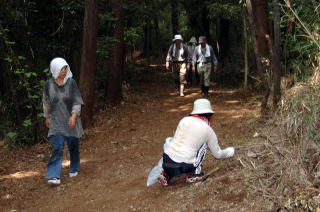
(287, 171)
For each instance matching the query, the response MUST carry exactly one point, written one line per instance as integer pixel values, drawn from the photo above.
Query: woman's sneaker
(192, 178)
(73, 174)
(163, 179)
(54, 181)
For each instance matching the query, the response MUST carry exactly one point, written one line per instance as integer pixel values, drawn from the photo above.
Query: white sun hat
(202, 106)
(177, 37)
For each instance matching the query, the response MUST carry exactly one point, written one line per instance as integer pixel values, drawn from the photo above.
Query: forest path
(126, 142)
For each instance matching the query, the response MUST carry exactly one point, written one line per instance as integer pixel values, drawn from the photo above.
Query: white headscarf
(56, 65)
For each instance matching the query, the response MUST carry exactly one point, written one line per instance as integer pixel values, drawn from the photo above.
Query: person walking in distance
(191, 47)
(205, 60)
(177, 57)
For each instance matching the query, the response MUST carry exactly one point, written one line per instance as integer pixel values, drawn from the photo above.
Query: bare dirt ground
(125, 143)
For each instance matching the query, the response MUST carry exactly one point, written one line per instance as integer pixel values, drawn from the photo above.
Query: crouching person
(186, 152)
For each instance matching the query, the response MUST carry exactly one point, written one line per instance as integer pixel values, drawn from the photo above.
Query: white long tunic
(190, 135)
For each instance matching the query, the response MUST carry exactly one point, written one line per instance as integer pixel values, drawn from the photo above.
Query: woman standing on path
(62, 106)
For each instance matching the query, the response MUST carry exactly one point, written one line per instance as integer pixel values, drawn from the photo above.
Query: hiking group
(186, 60)
(185, 153)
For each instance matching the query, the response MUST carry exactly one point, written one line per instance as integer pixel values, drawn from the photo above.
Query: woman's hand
(72, 121)
(47, 122)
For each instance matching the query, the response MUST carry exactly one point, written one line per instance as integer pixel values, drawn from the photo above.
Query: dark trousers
(191, 76)
(174, 169)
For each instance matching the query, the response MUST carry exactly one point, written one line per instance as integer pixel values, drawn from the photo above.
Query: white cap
(202, 106)
(177, 37)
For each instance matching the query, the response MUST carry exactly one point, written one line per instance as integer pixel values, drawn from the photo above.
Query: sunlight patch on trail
(66, 163)
(20, 175)
(232, 102)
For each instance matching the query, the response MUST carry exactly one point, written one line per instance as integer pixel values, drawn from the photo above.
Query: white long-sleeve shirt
(190, 135)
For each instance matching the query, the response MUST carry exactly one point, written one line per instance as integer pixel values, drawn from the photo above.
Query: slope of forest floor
(126, 142)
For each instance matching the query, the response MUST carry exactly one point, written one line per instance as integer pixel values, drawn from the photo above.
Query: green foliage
(131, 37)
(105, 44)
(229, 11)
(29, 92)
(31, 34)
(300, 50)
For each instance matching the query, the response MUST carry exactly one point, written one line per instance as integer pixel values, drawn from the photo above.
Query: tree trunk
(147, 39)
(245, 37)
(156, 29)
(192, 13)
(174, 17)
(223, 39)
(260, 17)
(113, 88)
(260, 66)
(276, 55)
(205, 23)
(289, 28)
(89, 60)
(158, 40)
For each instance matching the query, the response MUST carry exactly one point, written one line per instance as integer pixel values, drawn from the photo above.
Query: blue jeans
(55, 162)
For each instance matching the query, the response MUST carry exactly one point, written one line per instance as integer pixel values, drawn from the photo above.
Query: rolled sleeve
(76, 109)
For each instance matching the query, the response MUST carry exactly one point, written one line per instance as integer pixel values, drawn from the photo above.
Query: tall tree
(89, 60)
(223, 30)
(246, 66)
(197, 17)
(174, 17)
(276, 55)
(113, 88)
(259, 53)
(260, 17)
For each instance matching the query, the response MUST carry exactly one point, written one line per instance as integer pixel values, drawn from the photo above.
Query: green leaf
(10, 42)
(21, 57)
(33, 97)
(11, 135)
(19, 71)
(40, 115)
(8, 59)
(28, 74)
(248, 180)
(27, 123)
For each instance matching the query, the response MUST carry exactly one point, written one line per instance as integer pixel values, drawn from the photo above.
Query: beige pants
(204, 71)
(179, 71)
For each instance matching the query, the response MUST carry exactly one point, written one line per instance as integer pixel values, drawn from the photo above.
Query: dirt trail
(118, 153)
